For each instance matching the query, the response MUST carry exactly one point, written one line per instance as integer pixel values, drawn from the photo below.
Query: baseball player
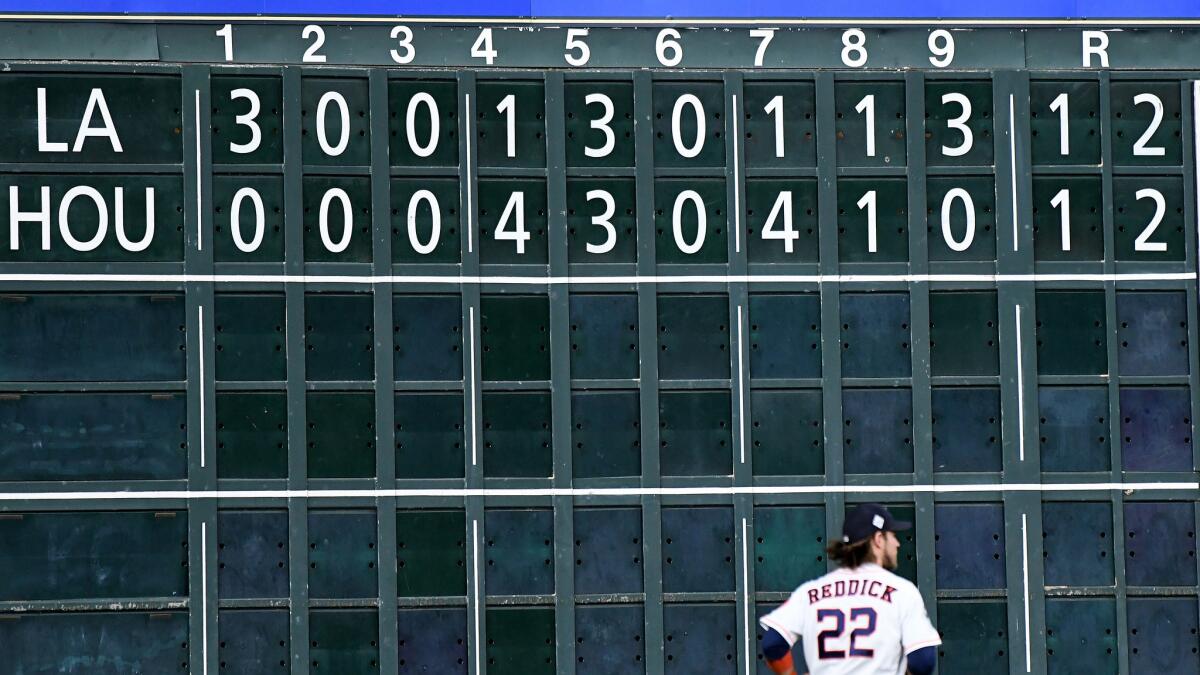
(859, 618)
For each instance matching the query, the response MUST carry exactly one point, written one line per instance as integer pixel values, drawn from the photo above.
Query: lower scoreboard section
(463, 370)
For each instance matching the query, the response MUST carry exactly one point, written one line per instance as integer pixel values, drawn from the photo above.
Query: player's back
(851, 621)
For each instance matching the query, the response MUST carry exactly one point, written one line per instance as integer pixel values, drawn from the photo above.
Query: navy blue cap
(865, 520)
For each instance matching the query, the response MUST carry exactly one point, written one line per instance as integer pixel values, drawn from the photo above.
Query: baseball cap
(866, 519)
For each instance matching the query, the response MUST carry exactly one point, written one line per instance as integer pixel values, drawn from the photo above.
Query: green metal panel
(343, 641)
(237, 240)
(787, 432)
(411, 239)
(697, 548)
(342, 239)
(585, 112)
(520, 640)
(797, 106)
(427, 337)
(1082, 110)
(608, 550)
(252, 554)
(891, 220)
(99, 642)
(341, 434)
(418, 107)
(234, 142)
(605, 437)
(431, 555)
(1131, 121)
(696, 433)
(516, 434)
(974, 636)
(338, 337)
(1084, 238)
(674, 238)
(589, 210)
(250, 339)
(1077, 543)
(252, 439)
(693, 337)
(528, 114)
(520, 552)
(851, 130)
(699, 108)
(429, 435)
(1135, 202)
(508, 209)
(964, 334)
(1071, 336)
(342, 554)
(1081, 635)
(343, 146)
(254, 640)
(785, 335)
(980, 242)
(515, 337)
(789, 544)
(946, 103)
(603, 336)
(781, 220)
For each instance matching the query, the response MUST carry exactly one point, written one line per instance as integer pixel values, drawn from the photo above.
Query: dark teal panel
(341, 240)
(609, 640)
(412, 243)
(433, 640)
(964, 333)
(600, 228)
(238, 239)
(342, 554)
(416, 107)
(789, 207)
(1077, 543)
(145, 111)
(80, 338)
(516, 337)
(528, 111)
(339, 337)
(787, 432)
(606, 438)
(608, 550)
(966, 429)
(90, 555)
(700, 639)
(356, 150)
(604, 336)
(674, 238)
(1162, 636)
(250, 342)
(1083, 122)
(1081, 635)
(586, 121)
(1084, 238)
(697, 549)
(877, 430)
(703, 127)
(974, 637)
(969, 544)
(693, 337)
(854, 221)
(851, 130)
(341, 434)
(875, 335)
(512, 221)
(785, 335)
(252, 440)
(980, 242)
(948, 145)
(1149, 528)
(1071, 335)
(695, 432)
(789, 546)
(1153, 334)
(1135, 211)
(253, 641)
(1131, 121)
(108, 643)
(146, 210)
(431, 556)
(46, 437)
(520, 551)
(343, 641)
(517, 434)
(427, 337)
(429, 435)
(264, 146)
(1074, 428)
(520, 640)
(252, 554)
(797, 105)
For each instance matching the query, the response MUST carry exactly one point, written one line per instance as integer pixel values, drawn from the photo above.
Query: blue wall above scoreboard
(1049, 9)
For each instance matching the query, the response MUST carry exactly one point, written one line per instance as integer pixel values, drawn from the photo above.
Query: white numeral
(347, 220)
(941, 46)
(969, 235)
(667, 41)
(343, 112)
(435, 226)
(318, 37)
(854, 48)
(405, 35)
(604, 220)
(677, 221)
(959, 123)
(868, 202)
(235, 220)
(573, 42)
(867, 107)
(1143, 243)
(610, 139)
(482, 49)
(1062, 201)
(247, 120)
(227, 33)
(774, 108)
(514, 210)
(783, 204)
(410, 121)
(1061, 105)
(764, 35)
(508, 107)
(676, 131)
(1140, 148)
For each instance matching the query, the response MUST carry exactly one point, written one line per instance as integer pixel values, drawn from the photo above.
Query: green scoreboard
(363, 346)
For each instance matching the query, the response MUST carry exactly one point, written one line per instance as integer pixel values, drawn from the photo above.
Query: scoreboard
(364, 345)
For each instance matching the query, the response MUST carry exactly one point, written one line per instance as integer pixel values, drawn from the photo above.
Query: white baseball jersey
(862, 621)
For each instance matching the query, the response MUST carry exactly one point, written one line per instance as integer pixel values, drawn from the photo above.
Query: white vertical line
(467, 179)
(199, 201)
(746, 593)
(200, 347)
(478, 600)
(741, 389)
(204, 595)
(1025, 577)
(474, 397)
(737, 199)
(1012, 148)
(1020, 388)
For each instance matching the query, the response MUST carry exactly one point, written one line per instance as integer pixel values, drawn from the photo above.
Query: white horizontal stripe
(459, 280)
(588, 492)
